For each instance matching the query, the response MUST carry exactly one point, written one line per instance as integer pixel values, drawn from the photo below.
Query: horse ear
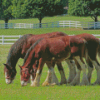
(7, 66)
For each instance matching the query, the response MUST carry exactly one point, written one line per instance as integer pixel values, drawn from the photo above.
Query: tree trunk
(40, 23)
(6, 23)
(96, 19)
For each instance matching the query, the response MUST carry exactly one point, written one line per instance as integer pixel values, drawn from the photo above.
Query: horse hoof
(96, 83)
(52, 84)
(34, 85)
(45, 84)
(61, 83)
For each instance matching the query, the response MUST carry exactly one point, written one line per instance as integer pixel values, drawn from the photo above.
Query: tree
(5, 10)
(85, 8)
(36, 8)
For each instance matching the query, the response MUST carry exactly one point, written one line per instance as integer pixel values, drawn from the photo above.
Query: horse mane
(30, 49)
(15, 50)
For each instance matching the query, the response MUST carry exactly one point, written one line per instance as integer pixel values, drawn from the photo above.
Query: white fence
(76, 24)
(10, 39)
(91, 25)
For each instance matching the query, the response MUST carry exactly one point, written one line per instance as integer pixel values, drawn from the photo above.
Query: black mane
(15, 50)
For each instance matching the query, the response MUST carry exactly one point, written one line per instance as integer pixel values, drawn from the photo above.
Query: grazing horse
(19, 49)
(51, 51)
(93, 48)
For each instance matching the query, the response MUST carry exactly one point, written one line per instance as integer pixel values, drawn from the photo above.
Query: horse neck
(12, 59)
(29, 58)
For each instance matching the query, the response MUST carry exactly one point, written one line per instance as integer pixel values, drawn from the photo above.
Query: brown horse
(93, 48)
(51, 51)
(19, 49)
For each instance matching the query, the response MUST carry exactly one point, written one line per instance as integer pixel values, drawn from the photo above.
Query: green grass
(68, 31)
(51, 19)
(16, 92)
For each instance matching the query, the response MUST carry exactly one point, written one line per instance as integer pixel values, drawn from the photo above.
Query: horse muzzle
(23, 83)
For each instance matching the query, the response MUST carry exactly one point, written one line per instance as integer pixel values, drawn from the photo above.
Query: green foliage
(5, 9)
(36, 8)
(84, 8)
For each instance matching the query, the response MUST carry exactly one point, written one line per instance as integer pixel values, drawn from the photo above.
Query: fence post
(76, 24)
(94, 25)
(69, 24)
(88, 25)
(30, 25)
(2, 39)
(82, 25)
(63, 23)
(52, 24)
(58, 23)
(19, 36)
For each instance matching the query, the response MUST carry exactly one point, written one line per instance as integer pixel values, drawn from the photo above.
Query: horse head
(10, 73)
(25, 75)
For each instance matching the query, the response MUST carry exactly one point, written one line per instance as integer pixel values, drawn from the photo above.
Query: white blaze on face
(23, 83)
(7, 80)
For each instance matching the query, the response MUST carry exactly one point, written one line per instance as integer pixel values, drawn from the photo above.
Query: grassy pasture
(16, 92)
(51, 19)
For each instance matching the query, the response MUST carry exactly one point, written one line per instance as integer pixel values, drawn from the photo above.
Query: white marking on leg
(76, 80)
(98, 72)
(37, 79)
(31, 77)
(54, 78)
(48, 79)
(83, 67)
(84, 79)
(72, 70)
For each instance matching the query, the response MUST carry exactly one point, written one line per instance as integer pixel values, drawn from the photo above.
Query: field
(16, 92)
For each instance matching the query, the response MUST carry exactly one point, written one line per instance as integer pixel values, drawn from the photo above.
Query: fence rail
(76, 24)
(8, 39)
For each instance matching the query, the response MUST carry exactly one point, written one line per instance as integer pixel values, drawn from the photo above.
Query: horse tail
(99, 49)
(98, 54)
(86, 50)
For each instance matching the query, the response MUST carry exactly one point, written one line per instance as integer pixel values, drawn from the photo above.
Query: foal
(51, 51)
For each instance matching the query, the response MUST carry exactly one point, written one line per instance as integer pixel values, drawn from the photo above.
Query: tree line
(30, 9)
(85, 8)
(41, 8)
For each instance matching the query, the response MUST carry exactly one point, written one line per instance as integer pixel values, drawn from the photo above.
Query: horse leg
(62, 73)
(51, 77)
(72, 70)
(83, 67)
(76, 80)
(33, 70)
(38, 73)
(90, 69)
(97, 67)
